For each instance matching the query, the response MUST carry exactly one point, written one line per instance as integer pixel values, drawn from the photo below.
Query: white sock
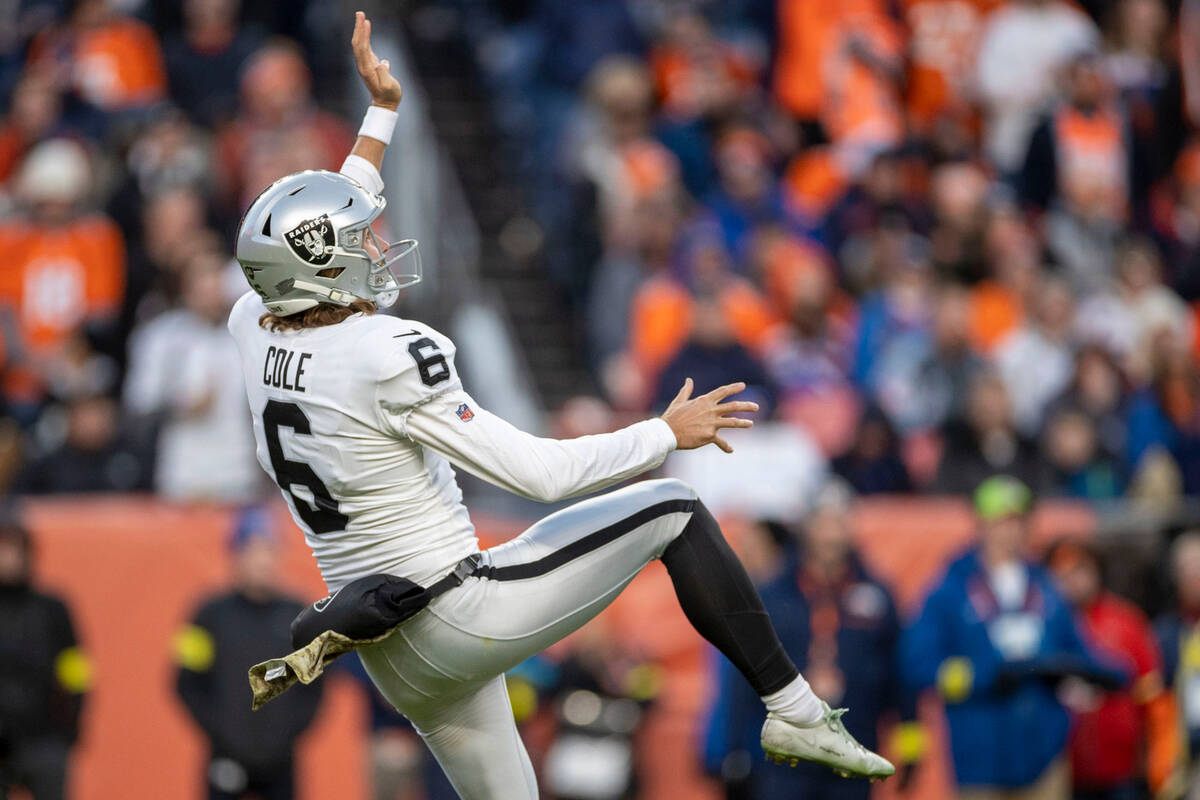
(795, 703)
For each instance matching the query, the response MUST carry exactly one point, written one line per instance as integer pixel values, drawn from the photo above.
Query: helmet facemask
(394, 265)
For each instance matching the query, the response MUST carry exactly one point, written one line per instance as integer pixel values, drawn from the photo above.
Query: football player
(359, 417)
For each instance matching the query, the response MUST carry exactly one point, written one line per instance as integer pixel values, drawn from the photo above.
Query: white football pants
(444, 668)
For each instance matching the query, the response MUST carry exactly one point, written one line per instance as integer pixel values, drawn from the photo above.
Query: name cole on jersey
(284, 369)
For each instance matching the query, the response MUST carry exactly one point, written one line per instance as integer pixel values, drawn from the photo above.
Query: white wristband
(378, 123)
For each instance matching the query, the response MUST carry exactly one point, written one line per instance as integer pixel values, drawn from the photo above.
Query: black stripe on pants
(714, 591)
(585, 544)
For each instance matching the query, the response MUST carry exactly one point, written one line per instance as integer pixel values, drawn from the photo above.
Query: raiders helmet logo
(312, 240)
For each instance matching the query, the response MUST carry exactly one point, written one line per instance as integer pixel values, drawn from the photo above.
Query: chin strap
(334, 295)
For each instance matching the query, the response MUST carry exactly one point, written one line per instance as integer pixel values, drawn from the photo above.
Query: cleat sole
(783, 759)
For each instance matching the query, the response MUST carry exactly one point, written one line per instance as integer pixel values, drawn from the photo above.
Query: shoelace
(834, 719)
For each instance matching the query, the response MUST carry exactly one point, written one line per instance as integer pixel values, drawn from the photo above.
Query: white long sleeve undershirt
(541, 469)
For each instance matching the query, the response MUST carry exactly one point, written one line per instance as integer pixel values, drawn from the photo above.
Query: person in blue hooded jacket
(996, 639)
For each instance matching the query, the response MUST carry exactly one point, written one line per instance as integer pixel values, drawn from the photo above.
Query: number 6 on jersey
(321, 514)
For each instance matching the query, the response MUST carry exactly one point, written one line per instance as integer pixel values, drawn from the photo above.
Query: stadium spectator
(808, 356)
(204, 59)
(1024, 45)
(747, 196)
(45, 676)
(943, 46)
(1137, 61)
(174, 225)
(111, 61)
(880, 197)
(1135, 58)
(610, 165)
(1000, 299)
(96, 453)
(862, 113)
(1189, 33)
(903, 305)
(840, 625)
(582, 35)
(1080, 169)
(924, 374)
(163, 207)
(1177, 222)
(837, 66)
(1075, 465)
(278, 125)
(65, 267)
(874, 464)
(986, 442)
(1118, 738)
(34, 112)
(168, 154)
(1097, 390)
(993, 638)
(1036, 359)
(1136, 309)
(696, 75)
(178, 375)
(251, 753)
(713, 357)
(1177, 635)
(663, 309)
(17, 25)
(1085, 129)
(627, 265)
(1163, 423)
(958, 198)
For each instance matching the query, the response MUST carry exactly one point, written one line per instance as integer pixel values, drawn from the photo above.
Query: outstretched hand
(385, 89)
(698, 421)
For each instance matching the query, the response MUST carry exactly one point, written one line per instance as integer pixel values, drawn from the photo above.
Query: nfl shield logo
(465, 413)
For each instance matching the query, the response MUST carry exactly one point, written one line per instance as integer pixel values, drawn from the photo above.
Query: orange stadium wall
(132, 569)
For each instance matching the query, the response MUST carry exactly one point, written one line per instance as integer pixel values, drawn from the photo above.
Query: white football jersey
(356, 423)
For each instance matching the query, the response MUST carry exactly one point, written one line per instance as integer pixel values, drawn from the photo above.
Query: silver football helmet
(307, 239)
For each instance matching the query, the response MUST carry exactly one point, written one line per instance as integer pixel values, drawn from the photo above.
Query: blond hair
(318, 316)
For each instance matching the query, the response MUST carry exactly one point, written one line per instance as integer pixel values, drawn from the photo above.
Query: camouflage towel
(275, 676)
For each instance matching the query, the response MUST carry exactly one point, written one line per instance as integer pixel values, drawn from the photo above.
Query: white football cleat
(826, 742)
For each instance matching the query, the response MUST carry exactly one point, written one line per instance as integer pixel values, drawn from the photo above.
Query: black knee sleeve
(722, 604)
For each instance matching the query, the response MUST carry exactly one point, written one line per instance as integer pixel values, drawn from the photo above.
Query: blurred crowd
(939, 238)
(133, 134)
(943, 238)
(1054, 686)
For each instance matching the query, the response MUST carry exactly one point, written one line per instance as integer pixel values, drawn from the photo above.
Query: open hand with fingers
(698, 421)
(376, 74)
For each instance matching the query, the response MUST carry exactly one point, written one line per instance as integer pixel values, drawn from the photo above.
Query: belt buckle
(466, 568)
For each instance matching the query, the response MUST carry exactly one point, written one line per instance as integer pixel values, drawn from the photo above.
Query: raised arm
(366, 157)
(552, 469)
